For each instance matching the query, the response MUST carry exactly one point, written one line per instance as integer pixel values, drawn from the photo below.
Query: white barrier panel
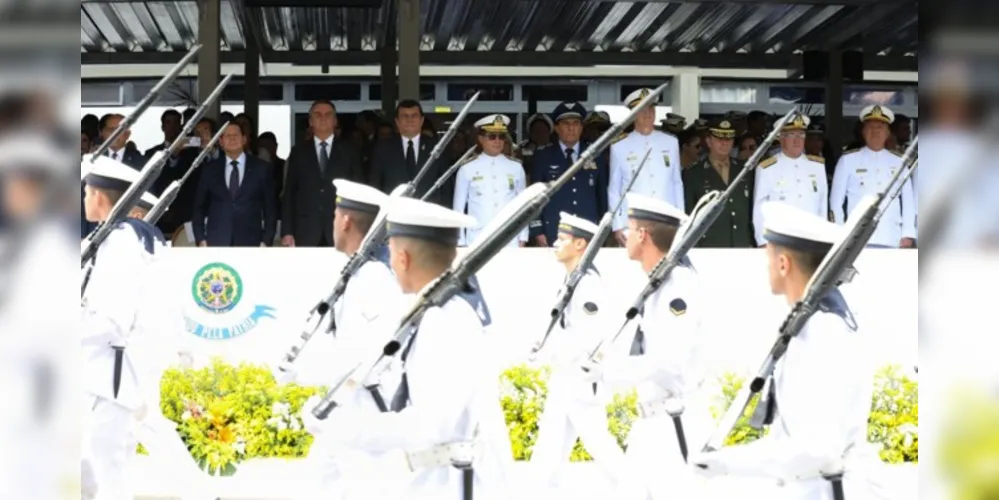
(250, 304)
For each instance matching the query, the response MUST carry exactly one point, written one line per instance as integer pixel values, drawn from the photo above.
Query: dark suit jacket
(388, 169)
(180, 211)
(309, 195)
(249, 220)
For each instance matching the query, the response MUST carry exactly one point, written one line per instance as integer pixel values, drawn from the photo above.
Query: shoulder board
(816, 158)
(767, 162)
(513, 158)
(619, 137)
(470, 159)
(848, 151)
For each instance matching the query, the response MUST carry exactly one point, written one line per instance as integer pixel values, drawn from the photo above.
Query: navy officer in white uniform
(869, 170)
(437, 409)
(660, 178)
(790, 176)
(819, 422)
(489, 180)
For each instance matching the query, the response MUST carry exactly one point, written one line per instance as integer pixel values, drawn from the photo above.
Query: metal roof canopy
(703, 33)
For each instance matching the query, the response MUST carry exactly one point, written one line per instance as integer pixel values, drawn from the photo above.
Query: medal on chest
(509, 182)
(815, 184)
(666, 159)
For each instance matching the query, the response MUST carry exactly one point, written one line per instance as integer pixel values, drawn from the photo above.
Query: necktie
(234, 179)
(568, 155)
(324, 157)
(410, 158)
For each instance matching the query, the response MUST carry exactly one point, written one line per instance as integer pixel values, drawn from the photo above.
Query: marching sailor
(438, 408)
(572, 407)
(810, 435)
(363, 317)
(119, 298)
(868, 170)
(791, 177)
(490, 180)
(585, 194)
(659, 179)
(662, 351)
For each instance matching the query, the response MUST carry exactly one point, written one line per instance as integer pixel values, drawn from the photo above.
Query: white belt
(665, 406)
(458, 454)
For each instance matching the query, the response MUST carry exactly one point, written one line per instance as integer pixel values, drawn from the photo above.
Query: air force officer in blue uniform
(585, 195)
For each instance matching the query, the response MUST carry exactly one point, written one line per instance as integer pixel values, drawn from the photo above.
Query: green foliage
(969, 444)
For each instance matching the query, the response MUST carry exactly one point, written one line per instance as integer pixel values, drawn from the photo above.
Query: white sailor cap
(539, 116)
(33, 152)
(577, 227)
(877, 112)
(106, 173)
(791, 227)
(642, 207)
(360, 197)
(636, 97)
(147, 201)
(493, 123)
(411, 218)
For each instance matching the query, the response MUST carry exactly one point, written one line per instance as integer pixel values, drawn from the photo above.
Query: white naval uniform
(862, 172)
(820, 419)
(571, 409)
(485, 185)
(365, 316)
(122, 292)
(660, 178)
(666, 368)
(446, 379)
(800, 182)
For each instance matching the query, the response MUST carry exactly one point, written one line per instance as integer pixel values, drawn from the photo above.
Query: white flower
(186, 415)
(279, 408)
(273, 422)
(296, 425)
(239, 446)
(281, 425)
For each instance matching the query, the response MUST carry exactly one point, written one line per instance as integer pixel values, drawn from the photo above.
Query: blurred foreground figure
(37, 354)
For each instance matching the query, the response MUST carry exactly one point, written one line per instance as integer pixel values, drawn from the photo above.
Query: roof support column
(251, 84)
(409, 49)
(389, 62)
(209, 58)
(685, 93)
(834, 105)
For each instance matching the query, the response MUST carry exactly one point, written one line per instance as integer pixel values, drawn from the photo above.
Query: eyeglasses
(494, 137)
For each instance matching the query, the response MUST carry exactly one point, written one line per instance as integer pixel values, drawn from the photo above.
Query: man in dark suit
(397, 159)
(108, 123)
(309, 194)
(236, 196)
(170, 124)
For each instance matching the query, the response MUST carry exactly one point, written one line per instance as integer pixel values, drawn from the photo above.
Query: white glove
(88, 481)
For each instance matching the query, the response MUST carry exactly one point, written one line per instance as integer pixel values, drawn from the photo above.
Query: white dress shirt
(660, 178)
(416, 146)
(863, 172)
(241, 166)
(485, 185)
(800, 182)
(318, 142)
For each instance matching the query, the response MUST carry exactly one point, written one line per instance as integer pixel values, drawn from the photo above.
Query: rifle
(586, 260)
(449, 172)
(134, 192)
(170, 194)
(835, 270)
(705, 213)
(530, 204)
(373, 241)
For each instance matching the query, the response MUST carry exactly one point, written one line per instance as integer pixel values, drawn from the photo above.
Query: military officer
(586, 193)
(489, 180)
(674, 123)
(573, 408)
(539, 131)
(595, 124)
(436, 415)
(733, 229)
(662, 361)
(659, 178)
(808, 439)
(791, 176)
(116, 305)
(868, 170)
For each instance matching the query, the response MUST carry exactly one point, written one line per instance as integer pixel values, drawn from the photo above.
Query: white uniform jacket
(800, 182)
(660, 178)
(483, 186)
(862, 172)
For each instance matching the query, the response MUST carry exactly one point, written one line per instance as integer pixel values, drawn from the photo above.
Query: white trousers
(106, 439)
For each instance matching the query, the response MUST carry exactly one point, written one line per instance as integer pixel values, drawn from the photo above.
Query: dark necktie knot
(568, 153)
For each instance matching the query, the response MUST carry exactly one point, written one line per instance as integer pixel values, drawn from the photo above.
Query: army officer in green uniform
(733, 229)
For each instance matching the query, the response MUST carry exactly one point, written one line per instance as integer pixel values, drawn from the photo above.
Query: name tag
(477, 178)
(861, 170)
(509, 180)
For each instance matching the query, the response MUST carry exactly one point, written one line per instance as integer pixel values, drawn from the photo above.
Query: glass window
(865, 96)
(100, 94)
(268, 92)
(328, 92)
(490, 92)
(727, 93)
(558, 93)
(797, 95)
(428, 92)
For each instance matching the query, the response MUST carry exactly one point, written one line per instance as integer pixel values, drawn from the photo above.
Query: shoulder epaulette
(514, 158)
(848, 151)
(767, 162)
(619, 137)
(816, 158)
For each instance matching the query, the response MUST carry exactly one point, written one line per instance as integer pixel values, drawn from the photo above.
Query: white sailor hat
(493, 123)
(788, 226)
(642, 207)
(147, 201)
(568, 110)
(636, 97)
(411, 218)
(360, 197)
(33, 152)
(877, 112)
(539, 116)
(577, 227)
(106, 173)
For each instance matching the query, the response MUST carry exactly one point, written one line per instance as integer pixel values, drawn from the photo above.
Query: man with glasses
(733, 229)
(490, 180)
(791, 177)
